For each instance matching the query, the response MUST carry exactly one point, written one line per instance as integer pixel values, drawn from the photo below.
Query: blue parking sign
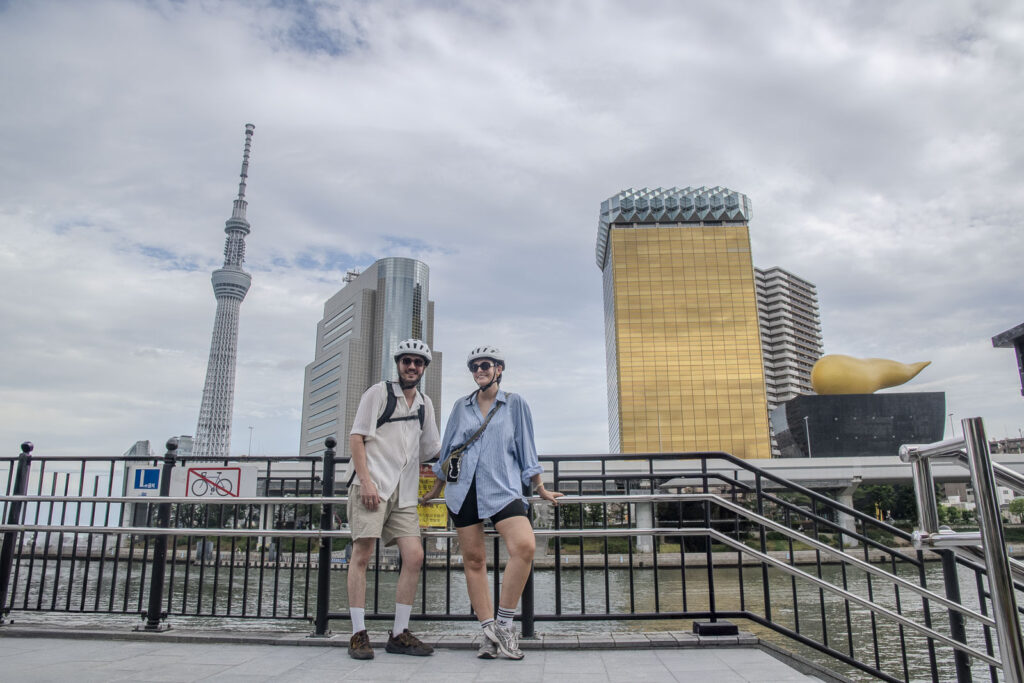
(147, 479)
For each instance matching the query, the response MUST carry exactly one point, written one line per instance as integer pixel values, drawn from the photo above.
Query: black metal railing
(702, 537)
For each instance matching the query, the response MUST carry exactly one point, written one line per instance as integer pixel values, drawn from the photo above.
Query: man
(394, 430)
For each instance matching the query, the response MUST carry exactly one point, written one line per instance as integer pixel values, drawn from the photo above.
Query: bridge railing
(965, 549)
(670, 540)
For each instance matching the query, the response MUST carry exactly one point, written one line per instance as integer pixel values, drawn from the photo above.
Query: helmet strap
(496, 379)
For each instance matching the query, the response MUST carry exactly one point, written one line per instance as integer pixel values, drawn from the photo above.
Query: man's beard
(407, 384)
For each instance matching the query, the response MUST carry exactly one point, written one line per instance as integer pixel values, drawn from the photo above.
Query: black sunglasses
(418, 362)
(485, 366)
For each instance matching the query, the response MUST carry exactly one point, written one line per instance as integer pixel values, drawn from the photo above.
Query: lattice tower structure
(230, 285)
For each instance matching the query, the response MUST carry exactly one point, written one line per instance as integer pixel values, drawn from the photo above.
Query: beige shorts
(387, 522)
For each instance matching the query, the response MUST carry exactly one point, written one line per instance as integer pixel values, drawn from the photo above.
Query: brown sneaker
(359, 646)
(405, 643)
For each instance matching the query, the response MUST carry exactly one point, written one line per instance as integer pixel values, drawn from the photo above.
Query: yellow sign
(436, 515)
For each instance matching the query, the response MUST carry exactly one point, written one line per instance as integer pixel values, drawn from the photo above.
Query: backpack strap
(392, 403)
(389, 407)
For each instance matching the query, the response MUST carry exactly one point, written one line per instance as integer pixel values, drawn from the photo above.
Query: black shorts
(467, 515)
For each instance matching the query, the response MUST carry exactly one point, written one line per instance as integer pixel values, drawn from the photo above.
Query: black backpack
(389, 410)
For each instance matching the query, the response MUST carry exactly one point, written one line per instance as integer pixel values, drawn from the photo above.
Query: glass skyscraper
(355, 340)
(684, 362)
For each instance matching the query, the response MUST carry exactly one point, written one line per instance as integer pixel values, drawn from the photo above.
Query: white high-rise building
(230, 285)
(355, 345)
(787, 308)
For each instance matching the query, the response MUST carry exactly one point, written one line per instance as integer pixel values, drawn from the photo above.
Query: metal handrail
(565, 500)
(652, 531)
(852, 597)
(955, 451)
(973, 451)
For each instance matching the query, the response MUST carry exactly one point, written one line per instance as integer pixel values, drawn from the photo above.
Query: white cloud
(879, 142)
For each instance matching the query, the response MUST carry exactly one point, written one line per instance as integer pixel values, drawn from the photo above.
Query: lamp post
(951, 427)
(807, 433)
(249, 454)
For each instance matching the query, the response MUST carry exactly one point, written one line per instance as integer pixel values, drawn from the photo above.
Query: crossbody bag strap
(476, 435)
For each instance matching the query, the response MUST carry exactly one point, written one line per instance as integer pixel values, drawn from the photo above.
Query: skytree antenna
(230, 285)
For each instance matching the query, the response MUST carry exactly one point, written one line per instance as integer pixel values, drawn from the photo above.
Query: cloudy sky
(880, 143)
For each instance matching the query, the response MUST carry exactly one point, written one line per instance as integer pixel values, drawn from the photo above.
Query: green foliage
(953, 516)
(895, 500)
(1016, 506)
(592, 515)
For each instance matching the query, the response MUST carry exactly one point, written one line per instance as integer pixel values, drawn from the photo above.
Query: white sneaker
(505, 638)
(488, 649)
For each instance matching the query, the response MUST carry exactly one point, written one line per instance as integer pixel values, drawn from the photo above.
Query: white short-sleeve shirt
(395, 450)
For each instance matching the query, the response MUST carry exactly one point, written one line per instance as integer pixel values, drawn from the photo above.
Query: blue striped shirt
(502, 459)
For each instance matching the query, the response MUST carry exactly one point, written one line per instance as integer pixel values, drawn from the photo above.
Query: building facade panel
(685, 368)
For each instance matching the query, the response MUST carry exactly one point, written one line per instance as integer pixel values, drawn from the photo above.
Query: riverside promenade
(46, 653)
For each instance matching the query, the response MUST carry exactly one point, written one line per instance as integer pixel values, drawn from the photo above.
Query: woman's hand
(434, 493)
(550, 496)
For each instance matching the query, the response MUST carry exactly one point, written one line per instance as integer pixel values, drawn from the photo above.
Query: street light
(250, 442)
(951, 427)
(807, 433)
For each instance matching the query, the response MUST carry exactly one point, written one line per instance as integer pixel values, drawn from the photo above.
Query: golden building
(684, 361)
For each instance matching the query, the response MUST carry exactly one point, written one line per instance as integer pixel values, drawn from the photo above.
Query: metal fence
(702, 537)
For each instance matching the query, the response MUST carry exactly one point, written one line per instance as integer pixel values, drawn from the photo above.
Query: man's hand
(368, 495)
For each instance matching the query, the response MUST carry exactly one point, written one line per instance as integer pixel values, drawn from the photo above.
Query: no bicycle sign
(228, 481)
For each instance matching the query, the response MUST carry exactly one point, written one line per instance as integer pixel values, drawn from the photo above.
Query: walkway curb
(556, 641)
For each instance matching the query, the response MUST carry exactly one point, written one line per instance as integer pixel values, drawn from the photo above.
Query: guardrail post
(13, 517)
(323, 573)
(928, 518)
(163, 521)
(1004, 601)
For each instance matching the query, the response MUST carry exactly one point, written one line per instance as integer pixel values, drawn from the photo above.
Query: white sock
(358, 619)
(402, 613)
(505, 616)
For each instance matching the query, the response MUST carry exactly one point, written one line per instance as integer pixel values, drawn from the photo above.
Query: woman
(487, 456)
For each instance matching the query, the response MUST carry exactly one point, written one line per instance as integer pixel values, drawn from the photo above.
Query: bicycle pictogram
(221, 481)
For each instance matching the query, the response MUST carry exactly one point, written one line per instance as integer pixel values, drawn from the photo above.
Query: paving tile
(588, 642)
(572, 662)
(629, 640)
(507, 670)
(561, 642)
(175, 672)
(686, 639)
(718, 677)
(649, 657)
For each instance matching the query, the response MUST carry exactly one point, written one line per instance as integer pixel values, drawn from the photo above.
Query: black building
(848, 425)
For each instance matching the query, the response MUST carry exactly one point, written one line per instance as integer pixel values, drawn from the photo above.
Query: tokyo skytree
(230, 284)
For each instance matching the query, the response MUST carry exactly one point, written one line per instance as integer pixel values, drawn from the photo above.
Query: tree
(1016, 507)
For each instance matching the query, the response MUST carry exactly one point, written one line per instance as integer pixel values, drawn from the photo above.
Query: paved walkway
(34, 654)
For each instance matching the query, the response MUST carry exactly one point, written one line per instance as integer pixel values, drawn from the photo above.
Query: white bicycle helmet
(491, 352)
(413, 347)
